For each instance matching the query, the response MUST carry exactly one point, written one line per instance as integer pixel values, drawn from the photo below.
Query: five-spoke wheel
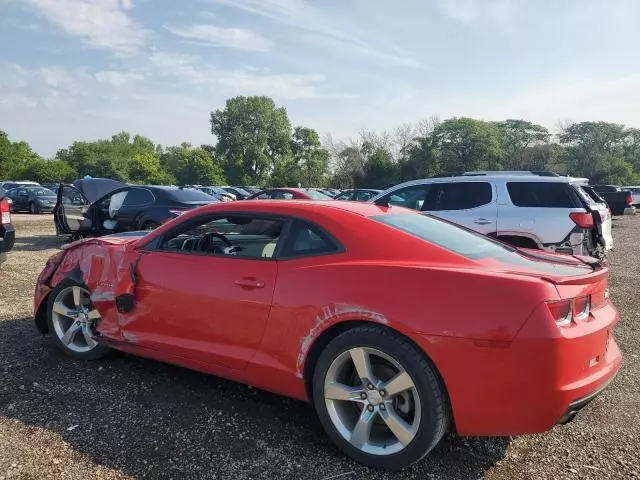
(379, 398)
(72, 320)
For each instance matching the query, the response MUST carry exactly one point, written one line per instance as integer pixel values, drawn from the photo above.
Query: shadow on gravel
(36, 243)
(152, 420)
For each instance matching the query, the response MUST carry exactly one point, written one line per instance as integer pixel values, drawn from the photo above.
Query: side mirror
(419, 204)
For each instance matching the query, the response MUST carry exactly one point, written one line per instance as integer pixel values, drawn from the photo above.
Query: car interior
(233, 235)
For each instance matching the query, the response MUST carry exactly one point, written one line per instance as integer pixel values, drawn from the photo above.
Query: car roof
(291, 206)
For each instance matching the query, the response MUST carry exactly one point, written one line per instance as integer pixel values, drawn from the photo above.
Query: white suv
(526, 209)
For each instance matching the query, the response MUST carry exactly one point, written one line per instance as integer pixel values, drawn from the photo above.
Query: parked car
(32, 199)
(239, 192)
(291, 300)
(7, 231)
(620, 201)
(218, 193)
(124, 209)
(251, 189)
(524, 209)
(358, 194)
(11, 184)
(289, 194)
(635, 194)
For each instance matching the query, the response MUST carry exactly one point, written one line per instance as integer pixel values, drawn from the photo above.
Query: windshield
(316, 195)
(42, 192)
(189, 195)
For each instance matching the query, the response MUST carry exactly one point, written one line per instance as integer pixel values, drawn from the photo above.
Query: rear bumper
(532, 383)
(630, 211)
(579, 404)
(8, 239)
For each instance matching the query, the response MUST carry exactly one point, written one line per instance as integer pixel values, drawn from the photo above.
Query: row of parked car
(526, 209)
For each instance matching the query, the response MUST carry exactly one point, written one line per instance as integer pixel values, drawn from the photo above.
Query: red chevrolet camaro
(395, 325)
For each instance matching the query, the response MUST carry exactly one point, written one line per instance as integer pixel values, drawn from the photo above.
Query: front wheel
(379, 398)
(72, 321)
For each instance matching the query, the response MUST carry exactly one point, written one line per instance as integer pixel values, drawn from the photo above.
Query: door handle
(249, 283)
(482, 221)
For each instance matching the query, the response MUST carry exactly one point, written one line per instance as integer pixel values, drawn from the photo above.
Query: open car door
(69, 212)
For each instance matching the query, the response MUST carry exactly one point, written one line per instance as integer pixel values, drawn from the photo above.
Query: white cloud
(472, 12)
(102, 24)
(116, 78)
(239, 38)
(324, 30)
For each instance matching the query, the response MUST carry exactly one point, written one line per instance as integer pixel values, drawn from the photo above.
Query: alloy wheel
(74, 319)
(372, 401)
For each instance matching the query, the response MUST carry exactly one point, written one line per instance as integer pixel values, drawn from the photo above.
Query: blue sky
(85, 69)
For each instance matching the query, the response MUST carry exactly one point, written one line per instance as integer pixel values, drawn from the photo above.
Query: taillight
(582, 308)
(629, 200)
(177, 213)
(582, 219)
(5, 212)
(564, 312)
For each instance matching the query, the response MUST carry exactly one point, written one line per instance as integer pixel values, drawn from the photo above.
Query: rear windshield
(189, 195)
(446, 235)
(477, 247)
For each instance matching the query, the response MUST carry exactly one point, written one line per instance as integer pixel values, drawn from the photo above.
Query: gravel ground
(126, 417)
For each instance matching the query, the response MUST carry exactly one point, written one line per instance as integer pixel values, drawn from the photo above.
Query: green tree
(380, 170)
(519, 141)
(196, 166)
(145, 168)
(253, 138)
(308, 163)
(15, 156)
(590, 146)
(47, 171)
(466, 144)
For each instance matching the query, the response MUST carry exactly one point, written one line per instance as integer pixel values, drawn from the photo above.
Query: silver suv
(525, 209)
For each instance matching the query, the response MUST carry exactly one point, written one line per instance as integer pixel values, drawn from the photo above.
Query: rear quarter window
(541, 195)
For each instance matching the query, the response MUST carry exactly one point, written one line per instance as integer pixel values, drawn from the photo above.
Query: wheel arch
(318, 345)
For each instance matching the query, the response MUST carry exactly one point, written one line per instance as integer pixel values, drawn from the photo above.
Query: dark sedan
(124, 209)
(32, 199)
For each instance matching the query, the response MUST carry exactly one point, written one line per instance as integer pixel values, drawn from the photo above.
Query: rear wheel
(379, 398)
(72, 320)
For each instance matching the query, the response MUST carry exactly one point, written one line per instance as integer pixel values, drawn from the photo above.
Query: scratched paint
(330, 315)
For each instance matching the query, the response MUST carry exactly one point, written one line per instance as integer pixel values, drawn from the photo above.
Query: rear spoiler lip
(592, 277)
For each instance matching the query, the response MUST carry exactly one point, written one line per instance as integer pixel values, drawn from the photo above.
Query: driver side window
(234, 236)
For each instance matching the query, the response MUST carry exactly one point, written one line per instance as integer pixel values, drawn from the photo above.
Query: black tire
(150, 225)
(95, 353)
(435, 416)
(33, 208)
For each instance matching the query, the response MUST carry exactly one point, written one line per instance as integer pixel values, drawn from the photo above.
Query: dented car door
(205, 308)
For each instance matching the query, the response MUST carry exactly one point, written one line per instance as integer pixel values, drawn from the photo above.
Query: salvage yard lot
(126, 417)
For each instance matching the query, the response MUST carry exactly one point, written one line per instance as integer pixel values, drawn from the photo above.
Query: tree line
(257, 145)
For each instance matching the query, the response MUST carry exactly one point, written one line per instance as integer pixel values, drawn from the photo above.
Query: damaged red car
(396, 326)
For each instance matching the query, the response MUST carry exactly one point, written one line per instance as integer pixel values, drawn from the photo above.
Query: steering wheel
(205, 244)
